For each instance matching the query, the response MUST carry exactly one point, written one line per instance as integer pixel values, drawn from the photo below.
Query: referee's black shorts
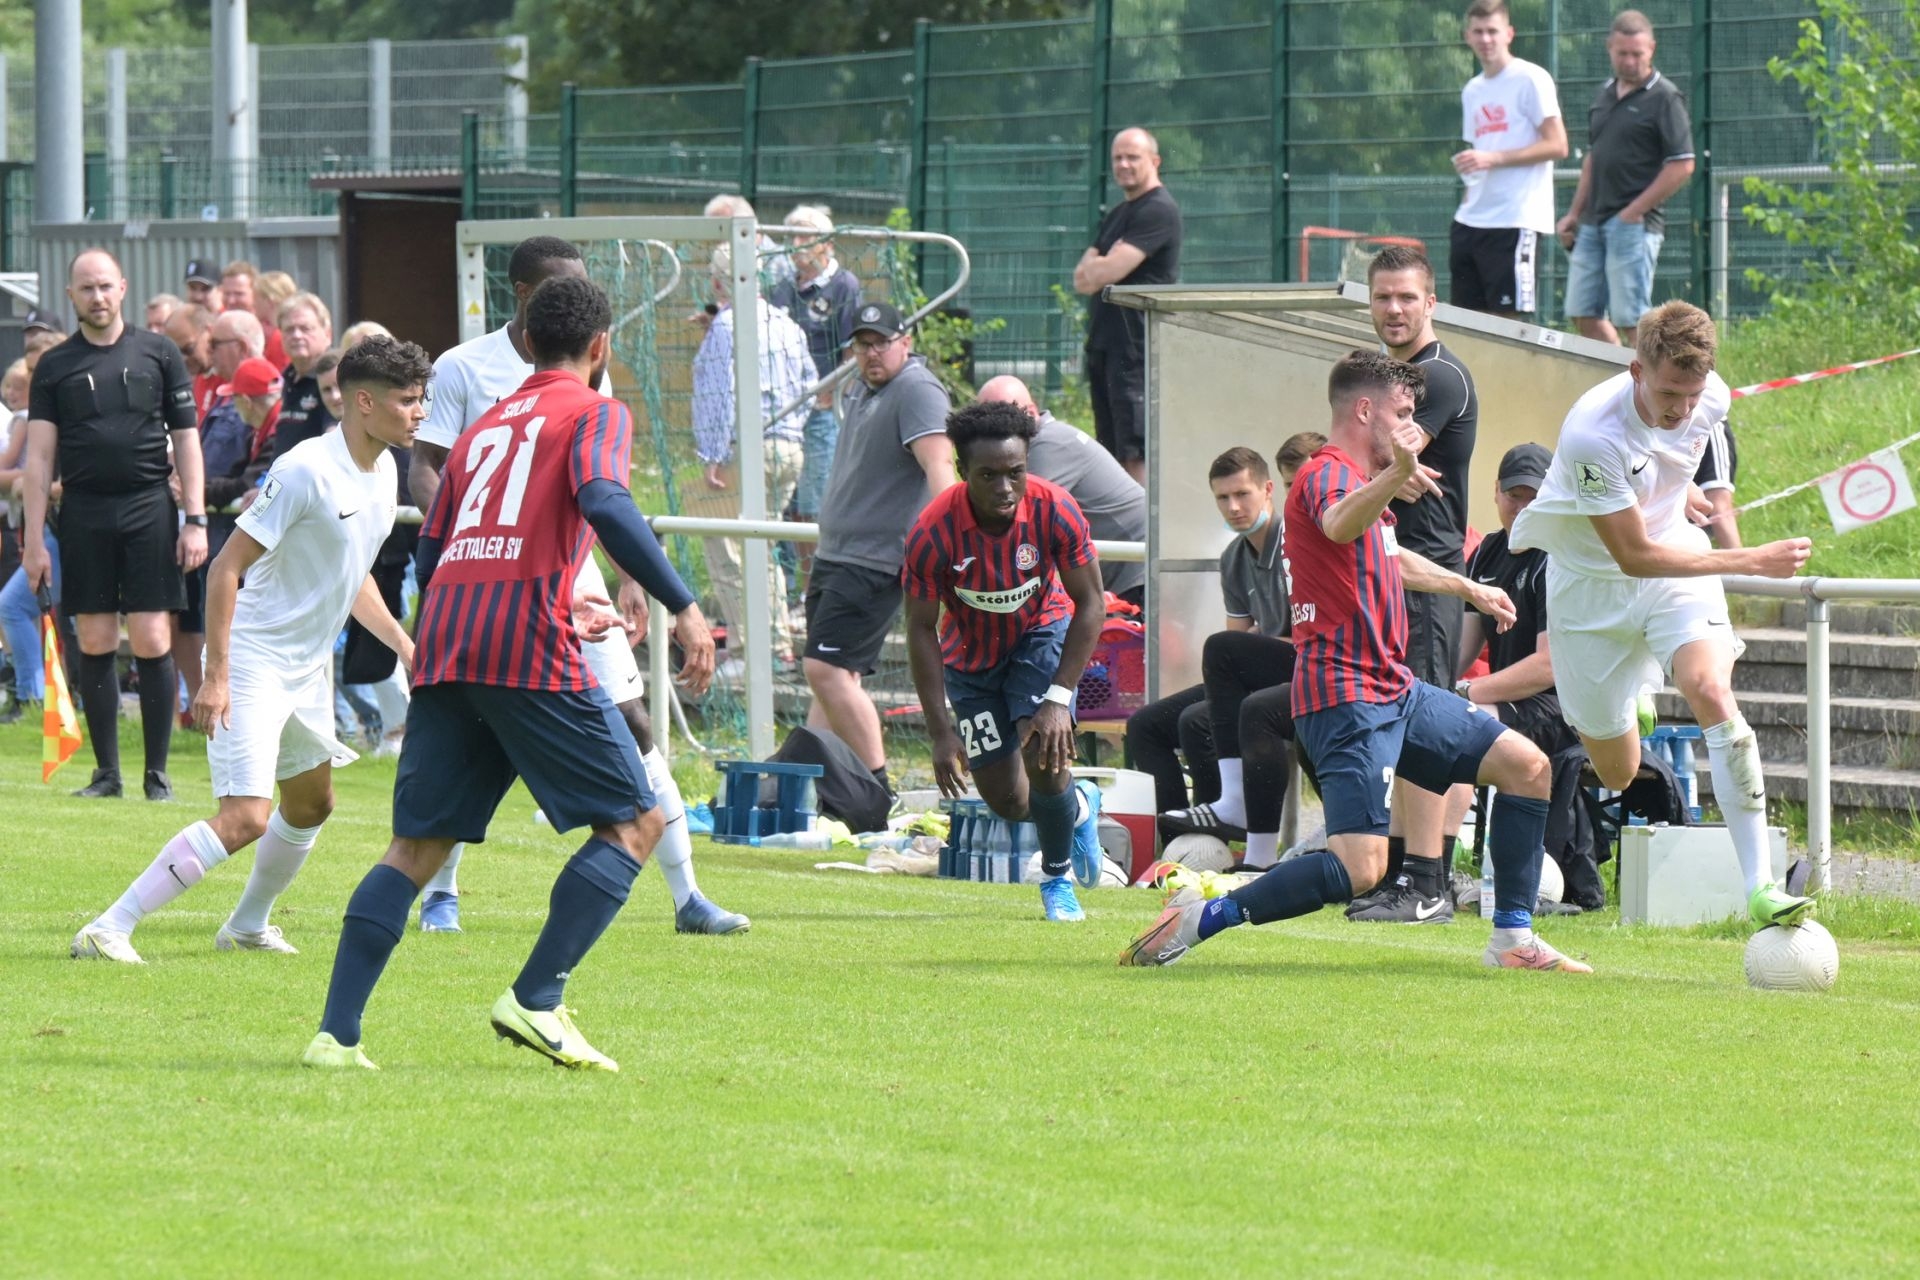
(118, 552)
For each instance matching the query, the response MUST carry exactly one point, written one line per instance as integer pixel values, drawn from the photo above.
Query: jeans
(821, 435)
(1611, 273)
(20, 621)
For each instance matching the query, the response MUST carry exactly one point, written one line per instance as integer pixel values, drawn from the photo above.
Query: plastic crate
(1115, 681)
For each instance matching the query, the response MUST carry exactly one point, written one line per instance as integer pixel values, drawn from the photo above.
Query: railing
(1818, 593)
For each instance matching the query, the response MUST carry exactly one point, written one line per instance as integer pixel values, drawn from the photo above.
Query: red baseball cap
(254, 377)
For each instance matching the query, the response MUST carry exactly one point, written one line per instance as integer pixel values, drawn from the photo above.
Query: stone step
(1882, 733)
(1855, 788)
(1861, 666)
(1852, 617)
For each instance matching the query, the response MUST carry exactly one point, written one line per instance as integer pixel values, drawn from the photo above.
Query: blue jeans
(821, 435)
(20, 622)
(1611, 273)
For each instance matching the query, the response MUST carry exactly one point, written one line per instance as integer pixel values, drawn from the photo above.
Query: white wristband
(1058, 693)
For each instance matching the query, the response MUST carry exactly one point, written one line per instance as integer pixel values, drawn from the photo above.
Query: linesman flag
(59, 730)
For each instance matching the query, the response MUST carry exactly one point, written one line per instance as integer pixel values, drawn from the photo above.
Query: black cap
(1525, 465)
(882, 318)
(199, 272)
(38, 319)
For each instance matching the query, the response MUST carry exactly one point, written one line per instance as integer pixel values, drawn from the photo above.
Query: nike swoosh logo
(962, 566)
(828, 648)
(1643, 465)
(1422, 911)
(346, 514)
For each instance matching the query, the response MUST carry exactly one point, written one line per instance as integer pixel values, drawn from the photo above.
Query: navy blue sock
(1294, 888)
(1053, 819)
(587, 895)
(1219, 914)
(1516, 841)
(376, 921)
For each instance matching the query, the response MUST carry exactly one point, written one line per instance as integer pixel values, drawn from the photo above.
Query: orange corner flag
(60, 731)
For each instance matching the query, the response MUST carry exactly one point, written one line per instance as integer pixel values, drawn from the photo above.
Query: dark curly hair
(990, 420)
(563, 316)
(530, 257)
(385, 362)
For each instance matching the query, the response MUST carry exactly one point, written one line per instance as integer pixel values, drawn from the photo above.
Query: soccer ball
(1553, 884)
(1198, 852)
(1797, 958)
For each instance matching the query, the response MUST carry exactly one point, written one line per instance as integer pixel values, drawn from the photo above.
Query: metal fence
(1274, 116)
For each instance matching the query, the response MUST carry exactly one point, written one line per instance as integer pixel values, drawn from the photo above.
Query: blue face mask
(1266, 514)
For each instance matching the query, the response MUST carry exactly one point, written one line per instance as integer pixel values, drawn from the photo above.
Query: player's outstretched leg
(1516, 842)
(692, 911)
(179, 865)
(1295, 888)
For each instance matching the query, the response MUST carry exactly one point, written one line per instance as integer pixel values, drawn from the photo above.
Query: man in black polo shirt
(1400, 285)
(102, 408)
(1639, 152)
(306, 326)
(1138, 243)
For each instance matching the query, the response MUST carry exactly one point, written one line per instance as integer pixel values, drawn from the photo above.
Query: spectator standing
(159, 307)
(776, 267)
(893, 457)
(1510, 118)
(190, 328)
(307, 328)
(103, 406)
(238, 293)
(1113, 502)
(786, 371)
(1138, 243)
(203, 284)
(1639, 152)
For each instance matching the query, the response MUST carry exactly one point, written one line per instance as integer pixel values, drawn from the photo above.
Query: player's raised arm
(1624, 534)
(1422, 574)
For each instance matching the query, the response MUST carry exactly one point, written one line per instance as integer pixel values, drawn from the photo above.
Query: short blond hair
(275, 286)
(1676, 333)
(240, 267)
(13, 384)
(360, 331)
(1631, 22)
(303, 301)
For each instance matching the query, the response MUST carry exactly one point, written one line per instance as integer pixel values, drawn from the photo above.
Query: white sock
(1231, 807)
(181, 862)
(1733, 756)
(448, 879)
(276, 861)
(1508, 939)
(1263, 849)
(674, 853)
(390, 696)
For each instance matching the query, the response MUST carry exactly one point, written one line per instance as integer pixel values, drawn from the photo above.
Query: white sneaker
(268, 939)
(95, 943)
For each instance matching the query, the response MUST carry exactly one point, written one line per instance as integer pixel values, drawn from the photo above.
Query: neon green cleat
(1770, 904)
(325, 1051)
(550, 1032)
(1647, 712)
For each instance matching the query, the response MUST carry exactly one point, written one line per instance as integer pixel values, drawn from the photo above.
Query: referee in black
(102, 406)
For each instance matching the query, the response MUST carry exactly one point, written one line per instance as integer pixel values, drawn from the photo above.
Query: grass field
(910, 1077)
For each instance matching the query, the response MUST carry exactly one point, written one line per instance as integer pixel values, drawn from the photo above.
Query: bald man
(103, 406)
(1113, 501)
(1138, 243)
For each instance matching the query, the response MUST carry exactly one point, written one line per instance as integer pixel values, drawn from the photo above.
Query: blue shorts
(989, 705)
(466, 743)
(1611, 271)
(1430, 737)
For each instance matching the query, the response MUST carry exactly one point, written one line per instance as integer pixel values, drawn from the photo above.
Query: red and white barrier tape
(1801, 379)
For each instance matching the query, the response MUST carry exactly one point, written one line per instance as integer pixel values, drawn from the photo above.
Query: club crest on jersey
(1026, 556)
(1699, 447)
(1589, 479)
(269, 490)
(1001, 601)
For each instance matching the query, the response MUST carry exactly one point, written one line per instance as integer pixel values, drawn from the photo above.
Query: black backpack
(847, 790)
(1654, 794)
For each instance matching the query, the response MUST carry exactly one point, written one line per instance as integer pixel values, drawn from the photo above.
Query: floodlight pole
(59, 179)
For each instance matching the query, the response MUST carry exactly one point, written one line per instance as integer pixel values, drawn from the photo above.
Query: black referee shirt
(114, 406)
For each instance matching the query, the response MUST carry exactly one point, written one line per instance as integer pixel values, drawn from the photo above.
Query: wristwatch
(196, 520)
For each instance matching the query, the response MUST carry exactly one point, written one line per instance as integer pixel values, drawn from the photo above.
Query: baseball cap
(254, 377)
(1525, 465)
(882, 318)
(40, 319)
(202, 272)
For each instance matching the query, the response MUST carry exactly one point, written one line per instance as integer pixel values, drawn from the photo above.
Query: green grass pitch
(911, 1077)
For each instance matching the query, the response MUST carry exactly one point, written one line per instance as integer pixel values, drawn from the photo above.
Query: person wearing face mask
(1252, 656)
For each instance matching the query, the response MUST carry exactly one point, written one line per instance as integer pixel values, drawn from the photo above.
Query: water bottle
(814, 840)
(1486, 883)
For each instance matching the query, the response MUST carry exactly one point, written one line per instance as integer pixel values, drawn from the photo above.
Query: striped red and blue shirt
(499, 608)
(995, 587)
(1349, 612)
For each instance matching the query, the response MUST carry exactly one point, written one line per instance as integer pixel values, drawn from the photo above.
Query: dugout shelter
(1247, 364)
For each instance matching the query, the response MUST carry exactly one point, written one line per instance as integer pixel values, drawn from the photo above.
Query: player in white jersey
(1633, 587)
(305, 547)
(468, 380)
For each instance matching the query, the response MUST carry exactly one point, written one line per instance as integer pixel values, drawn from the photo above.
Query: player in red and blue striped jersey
(1004, 607)
(500, 688)
(1359, 715)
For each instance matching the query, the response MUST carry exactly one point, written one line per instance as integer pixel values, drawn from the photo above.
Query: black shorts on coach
(119, 552)
(850, 610)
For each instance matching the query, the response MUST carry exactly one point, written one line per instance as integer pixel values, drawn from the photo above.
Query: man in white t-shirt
(1633, 586)
(305, 548)
(467, 381)
(1511, 122)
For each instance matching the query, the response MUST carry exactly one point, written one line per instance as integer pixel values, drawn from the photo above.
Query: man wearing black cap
(203, 284)
(102, 408)
(42, 330)
(893, 456)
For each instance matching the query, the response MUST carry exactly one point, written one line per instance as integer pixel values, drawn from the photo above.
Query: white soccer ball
(1553, 884)
(1198, 852)
(1797, 958)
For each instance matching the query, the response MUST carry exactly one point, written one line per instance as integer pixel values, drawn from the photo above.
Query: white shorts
(279, 727)
(609, 658)
(1612, 637)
